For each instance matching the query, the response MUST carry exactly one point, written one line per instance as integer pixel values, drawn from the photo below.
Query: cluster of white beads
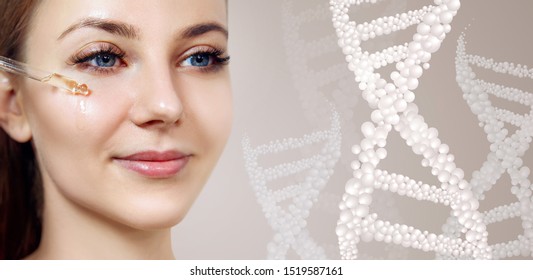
(501, 213)
(389, 24)
(518, 247)
(408, 236)
(404, 186)
(521, 71)
(505, 150)
(289, 223)
(393, 106)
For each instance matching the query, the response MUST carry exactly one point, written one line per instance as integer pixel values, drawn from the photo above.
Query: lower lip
(155, 169)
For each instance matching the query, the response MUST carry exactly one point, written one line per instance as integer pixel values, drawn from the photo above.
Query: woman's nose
(158, 100)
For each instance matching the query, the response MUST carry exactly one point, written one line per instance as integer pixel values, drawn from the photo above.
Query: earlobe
(12, 118)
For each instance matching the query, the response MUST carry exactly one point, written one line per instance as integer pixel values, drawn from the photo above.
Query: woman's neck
(73, 232)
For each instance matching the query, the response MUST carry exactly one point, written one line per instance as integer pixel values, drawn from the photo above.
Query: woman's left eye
(198, 60)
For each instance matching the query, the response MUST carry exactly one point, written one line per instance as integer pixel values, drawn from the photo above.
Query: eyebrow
(131, 32)
(122, 29)
(202, 28)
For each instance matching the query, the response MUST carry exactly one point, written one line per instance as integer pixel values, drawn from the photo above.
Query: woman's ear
(12, 117)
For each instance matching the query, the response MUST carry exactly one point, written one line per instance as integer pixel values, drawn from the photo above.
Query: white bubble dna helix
(393, 107)
(506, 149)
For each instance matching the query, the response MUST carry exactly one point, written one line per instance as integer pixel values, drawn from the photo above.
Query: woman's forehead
(54, 17)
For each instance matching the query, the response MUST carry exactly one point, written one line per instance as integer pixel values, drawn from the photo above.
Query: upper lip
(154, 156)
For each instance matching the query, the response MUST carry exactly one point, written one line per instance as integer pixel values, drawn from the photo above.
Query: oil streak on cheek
(81, 114)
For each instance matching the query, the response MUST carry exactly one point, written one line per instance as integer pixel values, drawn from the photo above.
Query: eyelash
(83, 59)
(218, 60)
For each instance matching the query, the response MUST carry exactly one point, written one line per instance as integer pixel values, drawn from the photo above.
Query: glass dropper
(54, 79)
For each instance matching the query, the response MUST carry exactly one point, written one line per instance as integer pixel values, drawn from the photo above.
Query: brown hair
(20, 184)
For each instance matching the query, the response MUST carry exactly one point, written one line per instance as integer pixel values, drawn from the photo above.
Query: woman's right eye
(100, 58)
(103, 60)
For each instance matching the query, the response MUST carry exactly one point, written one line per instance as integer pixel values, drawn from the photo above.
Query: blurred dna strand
(506, 148)
(287, 208)
(289, 222)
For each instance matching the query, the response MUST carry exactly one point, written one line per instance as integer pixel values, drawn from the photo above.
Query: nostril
(155, 123)
(152, 123)
(159, 123)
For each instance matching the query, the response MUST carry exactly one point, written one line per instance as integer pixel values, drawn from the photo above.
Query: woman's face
(139, 148)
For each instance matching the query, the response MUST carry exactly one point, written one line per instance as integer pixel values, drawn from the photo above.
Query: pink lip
(155, 164)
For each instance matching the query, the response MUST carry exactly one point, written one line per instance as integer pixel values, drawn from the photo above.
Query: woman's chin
(155, 217)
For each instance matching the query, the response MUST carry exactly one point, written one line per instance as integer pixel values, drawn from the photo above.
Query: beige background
(227, 222)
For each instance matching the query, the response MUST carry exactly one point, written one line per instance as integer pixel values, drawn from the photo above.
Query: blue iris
(105, 60)
(199, 60)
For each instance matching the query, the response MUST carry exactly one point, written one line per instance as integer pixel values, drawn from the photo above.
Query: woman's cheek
(100, 117)
(211, 105)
